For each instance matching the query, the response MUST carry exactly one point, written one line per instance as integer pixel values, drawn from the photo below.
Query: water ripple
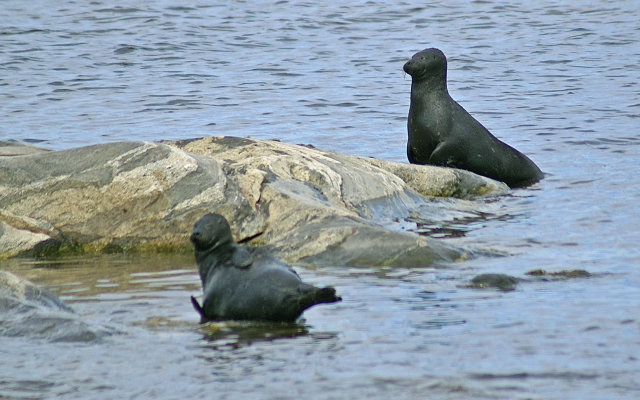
(558, 81)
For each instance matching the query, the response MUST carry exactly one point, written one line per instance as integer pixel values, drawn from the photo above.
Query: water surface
(558, 81)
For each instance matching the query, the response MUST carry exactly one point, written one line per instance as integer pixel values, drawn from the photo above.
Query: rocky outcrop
(310, 206)
(28, 310)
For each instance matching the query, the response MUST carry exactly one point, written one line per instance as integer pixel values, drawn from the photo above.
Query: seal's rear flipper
(196, 305)
(310, 296)
(327, 295)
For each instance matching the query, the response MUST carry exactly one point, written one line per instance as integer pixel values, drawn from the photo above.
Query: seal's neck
(209, 259)
(433, 83)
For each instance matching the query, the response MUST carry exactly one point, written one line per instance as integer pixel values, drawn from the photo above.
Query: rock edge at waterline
(308, 205)
(28, 310)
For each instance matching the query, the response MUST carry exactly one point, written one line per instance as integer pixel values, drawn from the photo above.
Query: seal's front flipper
(411, 154)
(443, 156)
(241, 258)
(196, 305)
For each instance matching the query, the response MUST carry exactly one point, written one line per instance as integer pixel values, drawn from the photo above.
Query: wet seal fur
(443, 133)
(247, 283)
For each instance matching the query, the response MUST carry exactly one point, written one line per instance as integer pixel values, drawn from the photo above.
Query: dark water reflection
(558, 81)
(232, 335)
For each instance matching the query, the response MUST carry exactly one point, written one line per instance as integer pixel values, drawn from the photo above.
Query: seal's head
(210, 232)
(426, 65)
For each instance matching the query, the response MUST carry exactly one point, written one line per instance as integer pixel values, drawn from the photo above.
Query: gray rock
(507, 282)
(496, 281)
(308, 205)
(541, 274)
(30, 311)
(12, 148)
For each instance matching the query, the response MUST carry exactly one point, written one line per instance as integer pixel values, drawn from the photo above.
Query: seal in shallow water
(443, 133)
(246, 283)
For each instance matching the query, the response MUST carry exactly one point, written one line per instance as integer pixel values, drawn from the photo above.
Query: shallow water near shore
(398, 332)
(557, 81)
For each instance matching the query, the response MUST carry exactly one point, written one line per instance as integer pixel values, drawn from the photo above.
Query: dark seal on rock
(443, 133)
(245, 283)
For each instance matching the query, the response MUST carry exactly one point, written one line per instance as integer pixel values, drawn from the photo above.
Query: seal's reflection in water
(232, 335)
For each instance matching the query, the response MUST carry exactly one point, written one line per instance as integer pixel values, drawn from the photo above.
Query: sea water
(556, 80)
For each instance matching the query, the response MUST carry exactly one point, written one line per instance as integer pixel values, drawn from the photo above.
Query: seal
(247, 283)
(443, 133)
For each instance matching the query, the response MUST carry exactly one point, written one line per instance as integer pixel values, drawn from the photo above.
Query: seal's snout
(195, 237)
(407, 67)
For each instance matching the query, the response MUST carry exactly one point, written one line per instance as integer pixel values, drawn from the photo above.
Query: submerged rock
(563, 274)
(507, 282)
(496, 281)
(30, 311)
(308, 205)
